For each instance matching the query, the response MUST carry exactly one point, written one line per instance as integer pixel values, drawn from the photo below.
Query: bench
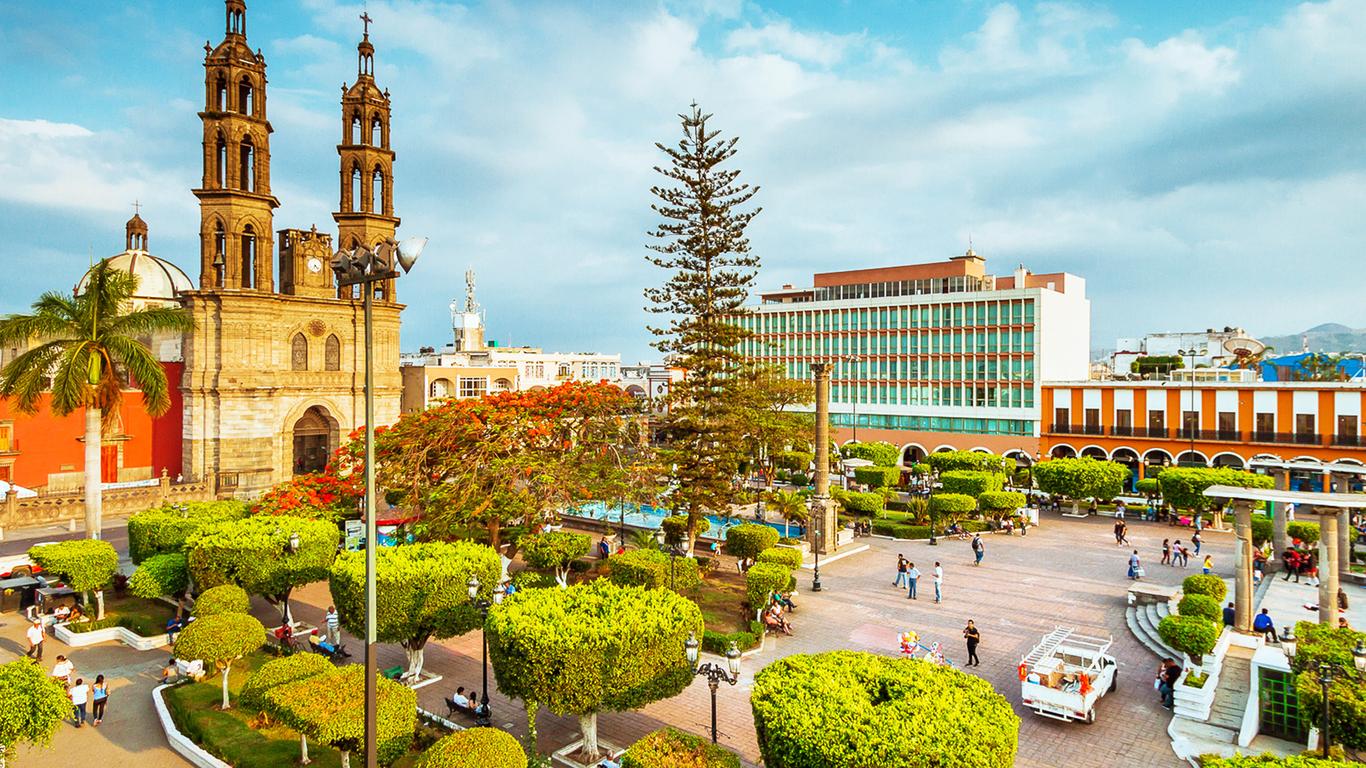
(393, 673)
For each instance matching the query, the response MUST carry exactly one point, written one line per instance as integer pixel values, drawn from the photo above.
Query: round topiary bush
(285, 669)
(475, 748)
(163, 530)
(653, 569)
(676, 527)
(763, 579)
(1205, 584)
(1262, 529)
(1305, 532)
(747, 540)
(969, 482)
(785, 556)
(225, 598)
(1194, 636)
(951, 506)
(1203, 606)
(1000, 502)
(1147, 486)
(847, 708)
(672, 748)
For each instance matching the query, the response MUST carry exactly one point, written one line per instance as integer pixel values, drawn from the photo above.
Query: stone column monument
(824, 510)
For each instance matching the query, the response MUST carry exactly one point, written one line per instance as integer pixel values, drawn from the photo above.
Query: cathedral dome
(158, 279)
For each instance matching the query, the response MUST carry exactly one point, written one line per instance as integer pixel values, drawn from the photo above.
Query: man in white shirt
(333, 626)
(79, 694)
(938, 582)
(460, 700)
(35, 640)
(912, 578)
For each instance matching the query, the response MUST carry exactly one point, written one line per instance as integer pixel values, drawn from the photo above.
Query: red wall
(47, 443)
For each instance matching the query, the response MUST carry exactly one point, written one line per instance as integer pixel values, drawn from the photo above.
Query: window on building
(6, 438)
(377, 192)
(356, 201)
(377, 137)
(220, 98)
(246, 166)
(298, 353)
(1157, 423)
(221, 162)
(473, 386)
(1228, 425)
(332, 354)
(1265, 424)
(1093, 421)
(1062, 419)
(1346, 434)
(248, 257)
(1304, 423)
(246, 97)
(1124, 421)
(354, 136)
(1190, 423)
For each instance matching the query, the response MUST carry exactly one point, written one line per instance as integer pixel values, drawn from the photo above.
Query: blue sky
(1200, 164)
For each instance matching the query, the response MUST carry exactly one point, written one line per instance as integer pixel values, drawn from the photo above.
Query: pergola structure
(1280, 471)
(1334, 543)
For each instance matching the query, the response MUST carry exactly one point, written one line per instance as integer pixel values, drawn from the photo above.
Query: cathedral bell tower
(366, 215)
(235, 204)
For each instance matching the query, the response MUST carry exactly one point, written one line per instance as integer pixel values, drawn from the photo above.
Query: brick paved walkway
(1067, 572)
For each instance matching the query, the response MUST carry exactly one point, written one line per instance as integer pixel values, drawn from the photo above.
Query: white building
(1208, 343)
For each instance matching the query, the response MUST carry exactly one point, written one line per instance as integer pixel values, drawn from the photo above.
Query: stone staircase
(1143, 620)
(1230, 700)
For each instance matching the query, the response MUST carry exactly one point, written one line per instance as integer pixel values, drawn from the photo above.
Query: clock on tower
(304, 258)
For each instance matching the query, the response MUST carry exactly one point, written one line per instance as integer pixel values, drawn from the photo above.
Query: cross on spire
(365, 18)
(137, 207)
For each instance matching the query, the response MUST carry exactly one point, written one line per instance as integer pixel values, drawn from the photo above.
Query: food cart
(1066, 673)
(17, 594)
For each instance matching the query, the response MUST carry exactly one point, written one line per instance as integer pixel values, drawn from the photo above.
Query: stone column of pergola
(1344, 544)
(1278, 521)
(1242, 575)
(824, 513)
(1328, 572)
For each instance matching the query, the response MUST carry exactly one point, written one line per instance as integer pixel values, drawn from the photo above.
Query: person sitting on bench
(461, 702)
(773, 619)
(782, 601)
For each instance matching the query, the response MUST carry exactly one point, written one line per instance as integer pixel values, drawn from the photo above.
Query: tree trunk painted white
(346, 758)
(562, 578)
(303, 750)
(1076, 506)
(416, 656)
(588, 725)
(99, 604)
(506, 562)
(93, 506)
(226, 704)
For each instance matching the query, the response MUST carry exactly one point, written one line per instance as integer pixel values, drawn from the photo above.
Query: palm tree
(791, 506)
(86, 348)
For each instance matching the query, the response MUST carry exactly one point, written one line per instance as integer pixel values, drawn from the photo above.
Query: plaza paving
(1066, 572)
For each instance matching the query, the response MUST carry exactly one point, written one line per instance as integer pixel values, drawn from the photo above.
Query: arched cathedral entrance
(313, 439)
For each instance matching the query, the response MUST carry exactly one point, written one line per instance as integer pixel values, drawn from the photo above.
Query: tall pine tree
(701, 241)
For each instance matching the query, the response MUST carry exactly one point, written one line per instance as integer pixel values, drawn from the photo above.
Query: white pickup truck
(1066, 674)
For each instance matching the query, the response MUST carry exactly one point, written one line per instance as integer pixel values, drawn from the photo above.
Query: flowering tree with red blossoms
(326, 495)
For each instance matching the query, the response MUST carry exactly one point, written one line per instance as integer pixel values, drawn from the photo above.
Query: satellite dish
(1241, 347)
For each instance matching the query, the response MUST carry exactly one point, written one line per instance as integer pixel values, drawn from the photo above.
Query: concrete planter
(192, 752)
(801, 546)
(1195, 703)
(562, 757)
(95, 637)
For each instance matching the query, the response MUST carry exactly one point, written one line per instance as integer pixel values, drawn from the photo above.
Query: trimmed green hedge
(881, 454)
(1269, 760)
(1263, 529)
(652, 569)
(1192, 635)
(82, 564)
(900, 530)
(878, 477)
(947, 461)
(286, 669)
(671, 748)
(846, 708)
(858, 502)
(475, 748)
(765, 578)
(968, 482)
(951, 506)
(784, 556)
(1184, 487)
(224, 598)
(1203, 606)
(747, 540)
(1001, 502)
(719, 642)
(1147, 486)
(330, 709)
(1081, 478)
(1205, 584)
(166, 574)
(1305, 532)
(162, 530)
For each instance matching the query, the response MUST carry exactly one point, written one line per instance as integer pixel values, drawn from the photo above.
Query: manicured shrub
(793, 461)
(653, 569)
(1305, 532)
(225, 598)
(997, 503)
(1319, 643)
(1262, 529)
(1205, 584)
(1184, 487)
(969, 482)
(1269, 760)
(554, 549)
(920, 469)
(676, 527)
(163, 530)
(35, 706)
(949, 507)
(1203, 606)
(82, 564)
(784, 556)
(286, 669)
(1081, 478)
(799, 478)
(747, 540)
(161, 575)
(475, 748)
(1147, 486)
(881, 454)
(861, 503)
(533, 580)
(330, 709)
(672, 748)
(762, 579)
(1194, 636)
(719, 642)
(257, 554)
(219, 640)
(878, 477)
(846, 708)
(947, 461)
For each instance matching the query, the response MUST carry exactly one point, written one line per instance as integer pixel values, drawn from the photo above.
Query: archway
(1063, 451)
(314, 435)
(912, 454)
(1094, 452)
(1127, 458)
(1192, 459)
(1228, 460)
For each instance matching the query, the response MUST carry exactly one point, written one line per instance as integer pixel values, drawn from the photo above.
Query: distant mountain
(1328, 337)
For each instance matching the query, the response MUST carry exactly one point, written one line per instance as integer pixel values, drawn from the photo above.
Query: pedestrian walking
(1135, 566)
(912, 576)
(63, 670)
(1167, 676)
(978, 548)
(333, 626)
(1167, 552)
(1119, 532)
(1207, 567)
(900, 571)
(1311, 571)
(973, 637)
(99, 697)
(35, 640)
(1123, 533)
(938, 582)
(604, 549)
(1185, 556)
(1176, 553)
(1120, 509)
(80, 696)
(1195, 539)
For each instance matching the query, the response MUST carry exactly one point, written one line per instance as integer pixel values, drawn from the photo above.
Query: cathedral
(274, 371)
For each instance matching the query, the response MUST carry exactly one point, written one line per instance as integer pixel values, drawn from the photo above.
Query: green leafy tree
(35, 704)
(794, 460)
(653, 569)
(1193, 635)
(166, 575)
(591, 648)
(163, 530)
(679, 529)
(1322, 643)
(422, 591)
(224, 598)
(998, 504)
(1082, 478)
(763, 579)
(971, 482)
(84, 565)
(330, 709)
(881, 454)
(791, 507)
(89, 345)
(701, 242)
(951, 507)
(281, 671)
(475, 748)
(766, 416)
(219, 640)
(265, 555)
(1184, 487)
(846, 708)
(672, 748)
(555, 550)
(747, 540)
(945, 461)
(878, 477)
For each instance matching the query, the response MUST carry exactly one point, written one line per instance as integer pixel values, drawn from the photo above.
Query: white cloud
(821, 48)
(1185, 63)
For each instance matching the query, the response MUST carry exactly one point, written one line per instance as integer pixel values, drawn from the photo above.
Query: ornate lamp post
(714, 673)
(1324, 674)
(365, 266)
(1192, 353)
(816, 532)
(482, 716)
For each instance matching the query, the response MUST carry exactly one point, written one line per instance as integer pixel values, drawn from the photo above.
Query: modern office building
(931, 356)
(1240, 424)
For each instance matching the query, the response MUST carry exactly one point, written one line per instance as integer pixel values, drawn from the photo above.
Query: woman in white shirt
(79, 694)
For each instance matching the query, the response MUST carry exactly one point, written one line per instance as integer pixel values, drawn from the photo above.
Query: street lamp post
(1192, 353)
(816, 531)
(1324, 674)
(482, 716)
(365, 266)
(714, 673)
